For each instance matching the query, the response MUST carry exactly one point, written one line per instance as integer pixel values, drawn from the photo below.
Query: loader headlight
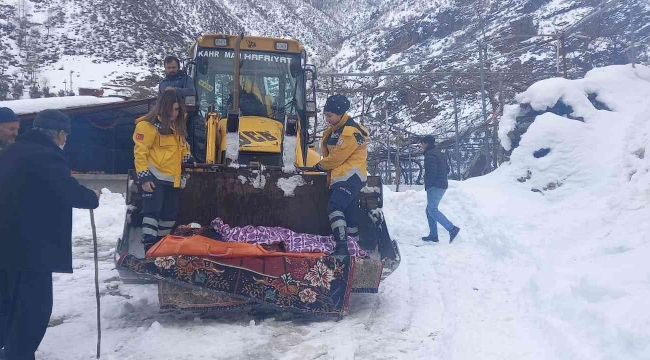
(221, 42)
(190, 100)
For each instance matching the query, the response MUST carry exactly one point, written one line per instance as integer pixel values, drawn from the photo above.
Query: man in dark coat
(175, 79)
(435, 183)
(37, 194)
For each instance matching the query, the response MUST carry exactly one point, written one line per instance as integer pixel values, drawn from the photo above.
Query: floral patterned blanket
(293, 242)
(314, 285)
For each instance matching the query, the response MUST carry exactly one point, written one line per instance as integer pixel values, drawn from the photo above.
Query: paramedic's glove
(189, 160)
(318, 167)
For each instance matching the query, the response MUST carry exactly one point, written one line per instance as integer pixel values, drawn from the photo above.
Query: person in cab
(345, 154)
(160, 150)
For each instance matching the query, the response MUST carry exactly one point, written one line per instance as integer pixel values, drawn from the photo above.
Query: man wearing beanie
(345, 155)
(37, 193)
(9, 124)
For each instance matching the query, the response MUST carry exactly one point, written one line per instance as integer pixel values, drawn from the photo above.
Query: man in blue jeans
(435, 183)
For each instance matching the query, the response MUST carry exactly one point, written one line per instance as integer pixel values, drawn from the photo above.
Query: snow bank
(556, 151)
(27, 106)
(589, 237)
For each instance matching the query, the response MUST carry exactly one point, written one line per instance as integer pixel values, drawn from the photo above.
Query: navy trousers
(25, 310)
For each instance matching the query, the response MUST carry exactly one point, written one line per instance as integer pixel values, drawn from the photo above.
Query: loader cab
(273, 80)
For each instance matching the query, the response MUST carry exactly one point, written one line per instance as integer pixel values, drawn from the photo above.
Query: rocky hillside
(345, 35)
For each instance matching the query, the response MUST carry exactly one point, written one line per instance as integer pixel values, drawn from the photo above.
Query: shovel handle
(97, 296)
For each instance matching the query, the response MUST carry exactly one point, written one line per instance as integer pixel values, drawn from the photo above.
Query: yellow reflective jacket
(345, 151)
(157, 155)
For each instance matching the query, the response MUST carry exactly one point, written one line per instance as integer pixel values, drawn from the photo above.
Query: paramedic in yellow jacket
(345, 155)
(160, 150)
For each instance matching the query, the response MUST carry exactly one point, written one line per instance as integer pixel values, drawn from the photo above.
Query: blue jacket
(184, 84)
(37, 194)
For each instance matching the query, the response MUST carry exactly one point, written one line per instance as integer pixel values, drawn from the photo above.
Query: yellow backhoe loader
(251, 127)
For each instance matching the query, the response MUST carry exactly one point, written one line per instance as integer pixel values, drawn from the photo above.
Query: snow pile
(289, 185)
(27, 106)
(588, 239)
(289, 153)
(555, 149)
(232, 146)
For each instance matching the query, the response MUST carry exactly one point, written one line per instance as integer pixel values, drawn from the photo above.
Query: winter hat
(337, 104)
(52, 120)
(7, 115)
(430, 140)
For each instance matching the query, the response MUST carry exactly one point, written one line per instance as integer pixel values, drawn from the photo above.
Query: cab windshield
(267, 85)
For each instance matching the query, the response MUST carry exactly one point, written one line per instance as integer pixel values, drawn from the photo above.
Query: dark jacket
(184, 84)
(37, 194)
(435, 169)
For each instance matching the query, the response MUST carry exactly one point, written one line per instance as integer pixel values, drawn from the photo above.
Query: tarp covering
(101, 139)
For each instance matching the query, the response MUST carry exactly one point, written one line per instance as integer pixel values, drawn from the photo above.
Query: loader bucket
(242, 197)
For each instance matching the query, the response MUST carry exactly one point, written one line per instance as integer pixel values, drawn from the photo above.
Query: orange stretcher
(199, 245)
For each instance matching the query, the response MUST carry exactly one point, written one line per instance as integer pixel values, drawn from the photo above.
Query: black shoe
(430, 238)
(453, 233)
(147, 247)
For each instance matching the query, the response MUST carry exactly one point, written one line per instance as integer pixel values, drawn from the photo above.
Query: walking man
(37, 193)
(435, 183)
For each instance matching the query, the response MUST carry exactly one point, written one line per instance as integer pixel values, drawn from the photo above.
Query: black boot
(341, 249)
(340, 233)
(453, 233)
(430, 238)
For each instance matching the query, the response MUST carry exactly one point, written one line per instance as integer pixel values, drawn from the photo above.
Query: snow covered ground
(92, 73)
(554, 274)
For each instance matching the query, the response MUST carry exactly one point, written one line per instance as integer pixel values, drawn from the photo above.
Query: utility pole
(388, 170)
(497, 147)
(563, 44)
(398, 170)
(557, 56)
(632, 37)
(71, 91)
(483, 105)
(456, 123)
